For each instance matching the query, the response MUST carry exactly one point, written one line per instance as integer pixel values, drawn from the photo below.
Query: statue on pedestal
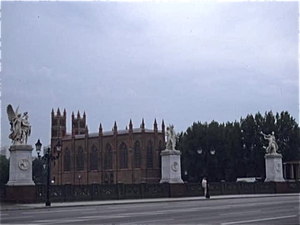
(171, 138)
(170, 159)
(19, 126)
(272, 147)
(20, 167)
(273, 160)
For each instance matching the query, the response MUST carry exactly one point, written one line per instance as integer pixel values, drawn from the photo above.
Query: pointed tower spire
(73, 115)
(155, 125)
(84, 116)
(78, 115)
(58, 112)
(100, 129)
(52, 112)
(143, 124)
(130, 125)
(65, 112)
(115, 127)
(163, 126)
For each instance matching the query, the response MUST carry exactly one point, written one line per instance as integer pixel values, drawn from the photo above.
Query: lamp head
(58, 146)
(38, 146)
(199, 151)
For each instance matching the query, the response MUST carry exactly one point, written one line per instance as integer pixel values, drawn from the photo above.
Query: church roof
(109, 133)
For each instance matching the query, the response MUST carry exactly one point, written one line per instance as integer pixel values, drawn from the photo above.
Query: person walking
(204, 186)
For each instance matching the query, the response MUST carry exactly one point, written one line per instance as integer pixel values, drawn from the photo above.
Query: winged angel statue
(19, 125)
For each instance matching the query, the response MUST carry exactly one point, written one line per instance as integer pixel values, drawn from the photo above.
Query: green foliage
(4, 170)
(238, 145)
(39, 173)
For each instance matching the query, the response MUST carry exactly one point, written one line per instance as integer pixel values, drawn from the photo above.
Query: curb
(152, 200)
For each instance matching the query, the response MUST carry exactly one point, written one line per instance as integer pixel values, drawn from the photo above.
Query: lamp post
(47, 157)
(205, 157)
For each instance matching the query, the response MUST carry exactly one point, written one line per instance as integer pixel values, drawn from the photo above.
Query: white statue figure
(20, 126)
(171, 138)
(272, 147)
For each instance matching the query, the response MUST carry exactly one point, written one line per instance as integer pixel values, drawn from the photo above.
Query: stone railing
(62, 193)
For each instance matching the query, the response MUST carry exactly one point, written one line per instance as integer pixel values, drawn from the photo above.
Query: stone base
(171, 167)
(274, 171)
(20, 194)
(20, 165)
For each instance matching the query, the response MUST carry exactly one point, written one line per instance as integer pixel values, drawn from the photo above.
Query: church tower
(58, 124)
(78, 123)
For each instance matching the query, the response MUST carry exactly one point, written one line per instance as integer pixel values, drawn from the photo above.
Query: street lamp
(47, 157)
(205, 156)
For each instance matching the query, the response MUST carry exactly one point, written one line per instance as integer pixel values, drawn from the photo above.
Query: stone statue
(272, 147)
(171, 138)
(19, 126)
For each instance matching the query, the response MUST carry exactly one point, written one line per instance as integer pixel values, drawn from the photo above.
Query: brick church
(124, 156)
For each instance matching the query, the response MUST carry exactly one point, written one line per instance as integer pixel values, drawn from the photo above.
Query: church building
(124, 156)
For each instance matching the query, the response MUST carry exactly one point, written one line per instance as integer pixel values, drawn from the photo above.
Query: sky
(180, 62)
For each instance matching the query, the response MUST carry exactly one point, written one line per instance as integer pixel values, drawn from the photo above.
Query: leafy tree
(4, 170)
(239, 146)
(39, 172)
(287, 136)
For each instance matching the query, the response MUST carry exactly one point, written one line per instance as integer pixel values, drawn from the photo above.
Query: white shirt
(204, 183)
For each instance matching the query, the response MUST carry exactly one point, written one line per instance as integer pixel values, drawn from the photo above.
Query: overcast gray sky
(181, 62)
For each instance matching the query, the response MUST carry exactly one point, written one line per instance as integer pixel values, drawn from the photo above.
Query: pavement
(9, 206)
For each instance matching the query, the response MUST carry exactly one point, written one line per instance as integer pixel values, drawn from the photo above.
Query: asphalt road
(263, 210)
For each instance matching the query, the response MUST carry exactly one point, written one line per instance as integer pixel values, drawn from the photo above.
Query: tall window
(80, 159)
(149, 155)
(94, 159)
(108, 157)
(137, 155)
(67, 160)
(123, 156)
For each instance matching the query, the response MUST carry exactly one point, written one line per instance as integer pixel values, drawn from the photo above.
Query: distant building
(291, 170)
(117, 156)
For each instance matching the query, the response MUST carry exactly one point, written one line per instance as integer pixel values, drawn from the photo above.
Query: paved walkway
(7, 206)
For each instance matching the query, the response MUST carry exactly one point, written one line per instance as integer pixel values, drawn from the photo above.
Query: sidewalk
(8, 206)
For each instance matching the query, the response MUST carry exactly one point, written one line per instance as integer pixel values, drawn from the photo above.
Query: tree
(4, 170)
(39, 173)
(239, 146)
(287, 136)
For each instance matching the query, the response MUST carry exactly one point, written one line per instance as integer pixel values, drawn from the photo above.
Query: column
(284, 171)
(292, 171)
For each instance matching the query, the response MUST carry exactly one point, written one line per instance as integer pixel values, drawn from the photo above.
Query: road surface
(257, 210)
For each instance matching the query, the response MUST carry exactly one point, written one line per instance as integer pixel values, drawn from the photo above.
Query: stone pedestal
(274, 168)
(171, 167)
(20, 167)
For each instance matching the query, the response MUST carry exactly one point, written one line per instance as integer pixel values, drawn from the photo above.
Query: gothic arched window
(137, 155)
(67, 160)
(80, 159)
(123, 156)
(149, 154)
(108, 157)
(94, 159)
